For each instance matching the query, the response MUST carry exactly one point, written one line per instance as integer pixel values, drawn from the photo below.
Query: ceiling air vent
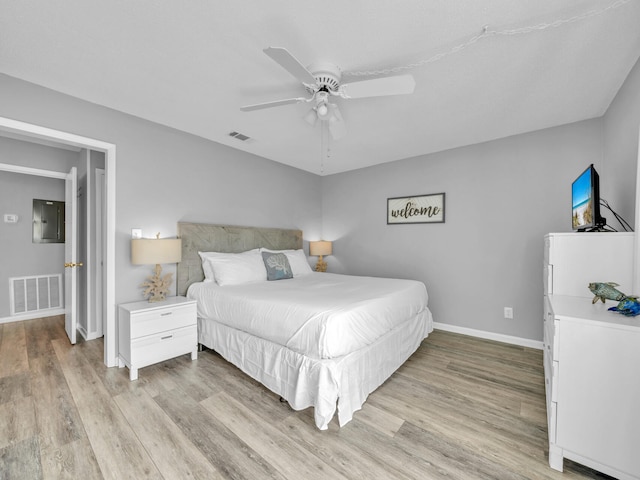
(239, 136)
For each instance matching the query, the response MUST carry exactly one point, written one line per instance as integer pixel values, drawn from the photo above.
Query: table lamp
(149, 251)
(320, 249)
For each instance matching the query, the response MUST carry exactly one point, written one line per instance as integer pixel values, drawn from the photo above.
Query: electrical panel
(48, 221)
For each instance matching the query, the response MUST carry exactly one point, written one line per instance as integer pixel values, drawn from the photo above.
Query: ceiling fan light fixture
(323, 111)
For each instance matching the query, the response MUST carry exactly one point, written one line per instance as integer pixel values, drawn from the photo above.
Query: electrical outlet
(508, 312)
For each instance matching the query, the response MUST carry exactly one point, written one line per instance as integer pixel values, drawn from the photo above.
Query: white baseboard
(86, 336)
(498, 337)
(32, 315)
(82, 332)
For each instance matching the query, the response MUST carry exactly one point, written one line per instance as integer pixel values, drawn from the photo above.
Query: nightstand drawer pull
(167, 337)
(165, 314)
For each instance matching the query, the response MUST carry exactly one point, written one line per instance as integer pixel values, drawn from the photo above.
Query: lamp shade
(320, 248)
(148, 251)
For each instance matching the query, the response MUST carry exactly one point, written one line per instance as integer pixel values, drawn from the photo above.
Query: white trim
(83, 332)
(43, 133)
(5, 167)
(38, 132)
(41, 141)
(98, 235)
(109, 305)
(30, 316)
(498, 337)
(89, 212)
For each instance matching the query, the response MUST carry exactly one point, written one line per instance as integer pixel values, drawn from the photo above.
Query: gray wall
(501, 198)
(165, 176)
(19, 256)
(621, 125)
(33, 155)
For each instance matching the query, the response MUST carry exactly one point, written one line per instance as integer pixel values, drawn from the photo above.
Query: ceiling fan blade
(379, 87)
(277, 103)
(290, 64)
(337, 126)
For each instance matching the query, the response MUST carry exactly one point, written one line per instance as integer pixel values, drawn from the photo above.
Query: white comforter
(321, 315)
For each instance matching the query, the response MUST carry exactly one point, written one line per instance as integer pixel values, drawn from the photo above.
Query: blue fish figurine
(606, 291)
(629, 306)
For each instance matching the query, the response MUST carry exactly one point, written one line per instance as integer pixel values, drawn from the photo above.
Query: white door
(70, 256)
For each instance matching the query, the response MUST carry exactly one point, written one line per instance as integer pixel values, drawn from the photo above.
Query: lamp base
(321, 266)
(157, 286)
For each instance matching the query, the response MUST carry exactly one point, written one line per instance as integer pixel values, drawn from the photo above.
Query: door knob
(79, 264)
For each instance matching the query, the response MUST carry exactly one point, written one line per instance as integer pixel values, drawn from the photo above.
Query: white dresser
(149, 333)
(573, 260)
(592, 355)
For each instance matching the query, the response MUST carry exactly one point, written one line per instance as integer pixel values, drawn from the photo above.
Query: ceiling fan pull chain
(323, 127)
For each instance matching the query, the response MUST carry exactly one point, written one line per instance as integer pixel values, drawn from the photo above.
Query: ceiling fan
(322, 81)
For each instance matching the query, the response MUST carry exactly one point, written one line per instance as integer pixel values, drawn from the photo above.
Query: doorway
(45, 135)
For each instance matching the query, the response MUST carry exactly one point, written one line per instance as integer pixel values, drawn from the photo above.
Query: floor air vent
(31, 294)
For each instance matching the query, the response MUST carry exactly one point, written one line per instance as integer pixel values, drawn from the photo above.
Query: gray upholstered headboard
(201, 237)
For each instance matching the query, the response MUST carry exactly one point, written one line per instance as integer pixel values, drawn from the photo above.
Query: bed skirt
(325, 384)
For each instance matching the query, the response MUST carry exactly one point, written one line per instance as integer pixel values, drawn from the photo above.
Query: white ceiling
(191, 65)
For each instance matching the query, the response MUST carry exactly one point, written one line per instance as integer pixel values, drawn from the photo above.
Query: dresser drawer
(551, 370)
(551, 341)
(555, 340)
(550, 336)
(156, 321)
(554, 380)
(547, 377)
(547, 363)
(163, 346)
(552, 417)
(547, 279)
(547, 341)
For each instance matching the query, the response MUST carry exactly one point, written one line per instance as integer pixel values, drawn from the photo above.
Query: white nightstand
(149, 333)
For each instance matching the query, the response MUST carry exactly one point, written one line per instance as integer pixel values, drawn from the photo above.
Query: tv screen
(585, 200)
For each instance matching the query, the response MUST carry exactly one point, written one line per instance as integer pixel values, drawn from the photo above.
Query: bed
(318, 340)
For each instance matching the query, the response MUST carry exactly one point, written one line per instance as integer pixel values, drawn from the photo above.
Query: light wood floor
(460, 408)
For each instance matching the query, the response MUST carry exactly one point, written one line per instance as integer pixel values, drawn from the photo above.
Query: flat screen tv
(585, 202)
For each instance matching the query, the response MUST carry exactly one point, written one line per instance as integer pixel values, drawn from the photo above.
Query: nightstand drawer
(163, 346)
(160, 320)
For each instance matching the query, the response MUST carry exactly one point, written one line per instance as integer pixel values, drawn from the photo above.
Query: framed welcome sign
(418, 209)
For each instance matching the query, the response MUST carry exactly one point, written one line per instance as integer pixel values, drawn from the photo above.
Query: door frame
(37, 134)
(95, 289)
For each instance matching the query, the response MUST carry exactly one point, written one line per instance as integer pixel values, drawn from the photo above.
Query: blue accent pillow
(277, 265)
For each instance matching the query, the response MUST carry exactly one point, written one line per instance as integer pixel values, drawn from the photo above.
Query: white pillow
(233, 268)
(297, 260)
(206, 266)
